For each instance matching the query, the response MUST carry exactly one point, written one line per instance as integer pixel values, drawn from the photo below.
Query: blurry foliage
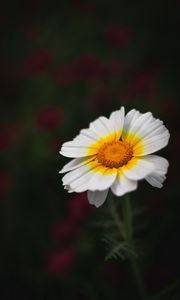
(64, 63)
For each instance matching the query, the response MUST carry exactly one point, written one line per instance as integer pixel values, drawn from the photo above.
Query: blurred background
(63, 64)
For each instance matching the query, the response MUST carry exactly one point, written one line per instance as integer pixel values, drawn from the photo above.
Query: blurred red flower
(50, 117)
(87, 66)
(37, 63)
(61, 261)
(64, 230)
(79, 206)
(118, 35)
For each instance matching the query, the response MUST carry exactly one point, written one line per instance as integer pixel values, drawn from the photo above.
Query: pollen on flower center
(114, 154)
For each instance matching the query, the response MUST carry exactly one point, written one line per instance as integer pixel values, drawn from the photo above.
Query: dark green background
(63, 64)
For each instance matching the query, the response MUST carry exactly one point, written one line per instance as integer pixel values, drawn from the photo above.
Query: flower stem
(128, 218)
(138, 279)
(125, 230)
(117, 220)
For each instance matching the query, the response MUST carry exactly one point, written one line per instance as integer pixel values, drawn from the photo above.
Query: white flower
(115, 153)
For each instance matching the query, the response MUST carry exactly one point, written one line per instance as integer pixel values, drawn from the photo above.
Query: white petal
(147, 134)
(130, 118)
(123, 185)
(149, 127)
(97, 198)
(74, 149)
(90, 177)
(98, 179)
(75, 174)
(101, 181)
(87, 139)
(156, 180)
(101, 127)
(161, 163)
(138, 124)
(74, 164)
(117, 119)
(81, 183)
(152, 144)
(89, 134)
(138, 168)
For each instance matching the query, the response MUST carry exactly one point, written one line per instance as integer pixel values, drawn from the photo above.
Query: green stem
(128, 218)
(138, 279)
(126, 232)
(117, 220)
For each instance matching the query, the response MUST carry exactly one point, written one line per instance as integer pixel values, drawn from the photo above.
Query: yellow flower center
(114, 154)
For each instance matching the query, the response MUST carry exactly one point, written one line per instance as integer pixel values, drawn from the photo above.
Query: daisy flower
(115, 154)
